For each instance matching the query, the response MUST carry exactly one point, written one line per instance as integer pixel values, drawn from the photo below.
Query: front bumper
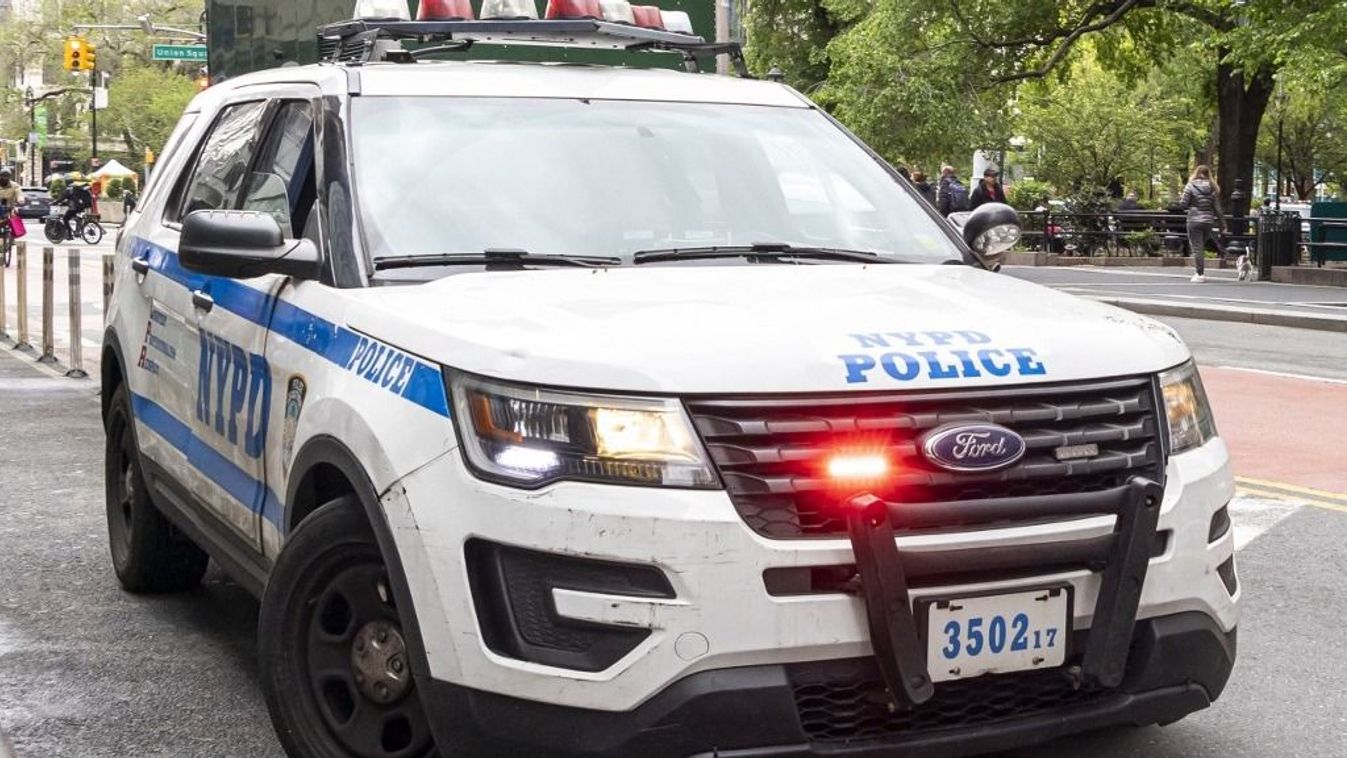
(1179, 664)
(719, 614)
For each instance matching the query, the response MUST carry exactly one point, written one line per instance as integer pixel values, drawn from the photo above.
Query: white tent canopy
(110, 170)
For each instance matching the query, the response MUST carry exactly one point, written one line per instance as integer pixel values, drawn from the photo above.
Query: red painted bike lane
(1282, 429)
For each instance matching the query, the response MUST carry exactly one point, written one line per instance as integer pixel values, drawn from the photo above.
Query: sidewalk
(1167, 292)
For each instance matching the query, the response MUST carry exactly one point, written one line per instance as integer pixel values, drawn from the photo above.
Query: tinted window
(223, 163)
(282, 179)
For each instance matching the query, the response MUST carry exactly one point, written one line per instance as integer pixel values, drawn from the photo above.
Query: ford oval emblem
(973, 447)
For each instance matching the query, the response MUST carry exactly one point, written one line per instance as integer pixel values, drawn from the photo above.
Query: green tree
(961, 47)
(144, 104)
(1093, 128)
(1313, 144)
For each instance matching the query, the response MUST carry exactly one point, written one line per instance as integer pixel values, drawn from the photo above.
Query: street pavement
(1168, 291)
(87, 671)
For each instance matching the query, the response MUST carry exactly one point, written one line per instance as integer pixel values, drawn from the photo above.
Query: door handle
(140, 265)
(202, 302)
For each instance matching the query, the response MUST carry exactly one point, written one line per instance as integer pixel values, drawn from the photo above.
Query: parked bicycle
(82, 226)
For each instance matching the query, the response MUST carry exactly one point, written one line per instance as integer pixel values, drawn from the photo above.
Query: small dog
(1245, 267)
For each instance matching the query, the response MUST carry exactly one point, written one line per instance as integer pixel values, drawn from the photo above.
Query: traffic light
(79, 54)
(71, 60)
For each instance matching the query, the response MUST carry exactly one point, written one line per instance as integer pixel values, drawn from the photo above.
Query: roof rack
(366, 40)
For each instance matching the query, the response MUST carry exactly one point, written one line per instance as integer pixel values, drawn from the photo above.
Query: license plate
(967, 637)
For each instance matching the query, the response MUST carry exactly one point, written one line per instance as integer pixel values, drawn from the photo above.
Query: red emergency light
(647, 16)
(558, 9)
(444, 10)
(854, 466)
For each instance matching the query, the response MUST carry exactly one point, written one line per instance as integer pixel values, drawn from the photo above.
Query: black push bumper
(1176, 665)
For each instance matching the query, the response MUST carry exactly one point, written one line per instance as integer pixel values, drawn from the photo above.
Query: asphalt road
(87, 671)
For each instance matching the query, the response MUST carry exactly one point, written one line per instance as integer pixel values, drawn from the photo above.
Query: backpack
(958, 196)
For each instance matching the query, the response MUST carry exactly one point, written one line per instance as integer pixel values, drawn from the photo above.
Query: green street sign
(179, 53)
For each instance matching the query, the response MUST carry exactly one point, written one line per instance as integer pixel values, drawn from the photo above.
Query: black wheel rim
(93, 233)
(358, 671)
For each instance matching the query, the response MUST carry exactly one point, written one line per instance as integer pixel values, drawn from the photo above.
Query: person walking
(989, 190)
(923, 187)
(1202, 201)
(950, 194)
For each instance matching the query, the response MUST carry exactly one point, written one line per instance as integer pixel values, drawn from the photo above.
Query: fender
(325, 449)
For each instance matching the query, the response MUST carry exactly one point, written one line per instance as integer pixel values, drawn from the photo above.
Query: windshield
(440, 175)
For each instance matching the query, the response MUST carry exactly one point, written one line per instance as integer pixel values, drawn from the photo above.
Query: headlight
(1190, 420)
(530, 436)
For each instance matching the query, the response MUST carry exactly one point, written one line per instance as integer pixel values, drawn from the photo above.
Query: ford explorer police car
(595, 411)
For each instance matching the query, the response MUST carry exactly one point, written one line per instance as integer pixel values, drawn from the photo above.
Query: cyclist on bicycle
(10, 194)
(77, 200)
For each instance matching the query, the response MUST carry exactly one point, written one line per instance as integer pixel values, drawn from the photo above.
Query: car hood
(763, 328)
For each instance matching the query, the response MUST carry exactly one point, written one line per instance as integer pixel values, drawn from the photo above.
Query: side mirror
(242, 245)
(991, 230)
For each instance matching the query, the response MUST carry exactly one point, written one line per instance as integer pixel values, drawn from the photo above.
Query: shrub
(113, 189)
(1028, 194)
(56, 187)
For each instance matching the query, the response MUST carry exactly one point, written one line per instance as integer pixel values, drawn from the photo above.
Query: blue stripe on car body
(336, 343)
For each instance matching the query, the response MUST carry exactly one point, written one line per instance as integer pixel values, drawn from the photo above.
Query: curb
(1224, 313)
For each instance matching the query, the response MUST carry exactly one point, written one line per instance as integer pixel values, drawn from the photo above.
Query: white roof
(518, 79)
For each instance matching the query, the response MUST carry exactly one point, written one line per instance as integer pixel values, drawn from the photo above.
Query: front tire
(148, 553)
(92, 231)
(335, 668)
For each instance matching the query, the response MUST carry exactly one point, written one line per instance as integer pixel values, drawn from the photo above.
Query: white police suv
(574, 410)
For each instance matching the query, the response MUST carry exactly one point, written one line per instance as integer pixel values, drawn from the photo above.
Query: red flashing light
(857, 466)
(574, 9)
(647, 16)
(444, 10)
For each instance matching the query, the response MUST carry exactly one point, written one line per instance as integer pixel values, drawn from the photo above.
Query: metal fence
(1125, 233)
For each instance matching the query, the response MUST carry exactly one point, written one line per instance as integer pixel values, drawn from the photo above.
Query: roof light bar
(509, 10)
(647, 17)
(676, 21)
(382, 9)
(566, 9)
(617, 11)
(444, 10)
(510, 22)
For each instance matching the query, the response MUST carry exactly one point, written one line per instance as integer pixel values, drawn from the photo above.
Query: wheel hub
(379, 662)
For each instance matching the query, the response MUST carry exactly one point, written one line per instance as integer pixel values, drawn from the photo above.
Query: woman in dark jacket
(923, 187)
(1202, 200)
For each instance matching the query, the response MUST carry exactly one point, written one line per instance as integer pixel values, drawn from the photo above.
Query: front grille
(858, 708)
(771, 452)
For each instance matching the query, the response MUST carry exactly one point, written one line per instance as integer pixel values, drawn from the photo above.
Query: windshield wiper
(494, 258)
(763, 250)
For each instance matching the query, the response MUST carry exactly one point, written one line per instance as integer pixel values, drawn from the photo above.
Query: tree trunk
(1241, 103)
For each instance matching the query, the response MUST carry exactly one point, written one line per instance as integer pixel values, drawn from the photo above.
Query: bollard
(76, 370)
(109, 261)
(48, 306)
(21, 295)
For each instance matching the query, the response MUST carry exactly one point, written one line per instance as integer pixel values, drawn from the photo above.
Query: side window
(166, 156)
(282, 181)
(223, 162)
